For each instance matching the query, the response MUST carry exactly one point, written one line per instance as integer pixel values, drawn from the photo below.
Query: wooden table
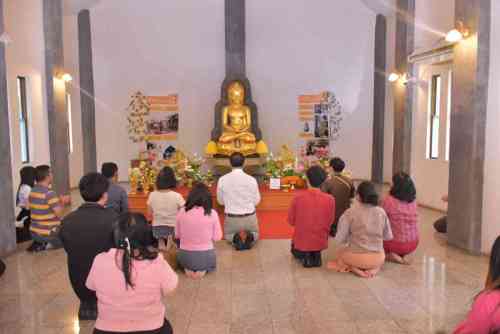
(272, 200)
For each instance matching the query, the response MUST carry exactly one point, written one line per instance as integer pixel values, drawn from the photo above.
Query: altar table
(271, 200)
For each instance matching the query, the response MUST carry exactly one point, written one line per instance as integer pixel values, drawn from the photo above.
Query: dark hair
(403, 187)
(92, 186)
(109, 169)
(337, 164)
(42, 172)
(200, 196)
(494, 270)
(316, 176)
(28, 175)
(237, 160)
(166, 179)
(133, 232)
(367, 193)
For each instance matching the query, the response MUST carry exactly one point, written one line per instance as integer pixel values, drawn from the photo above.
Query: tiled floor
(264, 291)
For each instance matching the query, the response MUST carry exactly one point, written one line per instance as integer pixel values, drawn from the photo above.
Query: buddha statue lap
(237, 133)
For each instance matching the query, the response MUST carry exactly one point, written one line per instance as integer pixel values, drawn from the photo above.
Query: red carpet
(273, 225)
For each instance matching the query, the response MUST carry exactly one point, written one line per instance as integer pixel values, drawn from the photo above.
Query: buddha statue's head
(236, 93)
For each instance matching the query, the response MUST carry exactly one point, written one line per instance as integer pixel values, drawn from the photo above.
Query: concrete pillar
(403, 94)
(7, 227)
(57, 111)
(235, 38)
(87, 92)
(468, 125)
(379, 100)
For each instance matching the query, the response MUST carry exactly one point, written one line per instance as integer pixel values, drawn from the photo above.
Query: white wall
(178, 47)
(70, 42)
(160, 48)
(433, 20)
(491, 222)
(25, 57)
(306, 49)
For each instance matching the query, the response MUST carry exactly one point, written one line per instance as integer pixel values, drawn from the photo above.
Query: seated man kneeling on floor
(239, 193)
(312, 213)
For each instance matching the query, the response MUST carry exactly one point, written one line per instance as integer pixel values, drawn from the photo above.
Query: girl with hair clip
(361, 234)
(128, 277)
(27, 175)
(484, 317)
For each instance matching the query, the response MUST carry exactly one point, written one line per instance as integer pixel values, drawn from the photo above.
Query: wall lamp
(403, 78)
(457, 34)
(64, 76)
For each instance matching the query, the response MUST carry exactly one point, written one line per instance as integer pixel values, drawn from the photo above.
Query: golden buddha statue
(237, 133)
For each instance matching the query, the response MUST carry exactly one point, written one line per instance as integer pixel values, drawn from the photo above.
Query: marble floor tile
(265, 291)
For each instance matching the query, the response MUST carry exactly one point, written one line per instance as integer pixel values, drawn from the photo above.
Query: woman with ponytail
(484, 317)
(130, 281)
(361, 233)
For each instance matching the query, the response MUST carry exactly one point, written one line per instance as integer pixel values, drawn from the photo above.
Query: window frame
(24, 119)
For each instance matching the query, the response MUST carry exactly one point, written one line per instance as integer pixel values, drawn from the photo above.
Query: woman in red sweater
(312, 213)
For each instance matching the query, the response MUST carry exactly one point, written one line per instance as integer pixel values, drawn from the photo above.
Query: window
(70, 123)
(434, 117)
(23, 119)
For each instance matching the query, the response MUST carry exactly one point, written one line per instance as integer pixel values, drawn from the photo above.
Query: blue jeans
(52, 239)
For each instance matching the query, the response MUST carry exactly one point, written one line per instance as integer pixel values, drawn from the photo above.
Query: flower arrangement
(190, 169)
(143, 178)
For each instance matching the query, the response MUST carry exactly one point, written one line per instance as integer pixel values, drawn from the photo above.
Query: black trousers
(165, 329)
(23, 233)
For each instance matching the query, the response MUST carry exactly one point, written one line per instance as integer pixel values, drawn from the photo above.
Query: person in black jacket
(86, 232)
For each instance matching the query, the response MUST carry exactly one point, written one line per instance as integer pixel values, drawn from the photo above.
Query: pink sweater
(130, 309)
(196, 231)
(484, 318)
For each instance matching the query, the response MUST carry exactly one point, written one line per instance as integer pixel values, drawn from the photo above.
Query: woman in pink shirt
(484, 318)
(401, 208)
(197, 228)
(130, 281)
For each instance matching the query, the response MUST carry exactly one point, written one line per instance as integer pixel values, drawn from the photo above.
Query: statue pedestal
(253, 166)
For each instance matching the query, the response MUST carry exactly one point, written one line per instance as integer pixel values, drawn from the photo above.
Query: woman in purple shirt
(484, 317)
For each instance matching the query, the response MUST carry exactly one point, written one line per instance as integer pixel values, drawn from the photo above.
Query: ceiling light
(454, 36)
(393, 77)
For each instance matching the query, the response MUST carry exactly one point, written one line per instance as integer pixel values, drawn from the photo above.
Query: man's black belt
(239, 216)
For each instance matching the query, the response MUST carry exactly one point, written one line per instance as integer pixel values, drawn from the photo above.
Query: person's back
(403, 217)
(86, 232)
(117, 196)
(239, 193)
(367, 224)
(126, 309)
(313, 214)
(342, 189)
(197, 231)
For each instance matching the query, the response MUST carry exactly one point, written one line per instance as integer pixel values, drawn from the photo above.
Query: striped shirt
(42, 203)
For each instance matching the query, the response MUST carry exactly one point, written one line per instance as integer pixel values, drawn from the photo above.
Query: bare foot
(406, 261)
(393, 257)
(334, 265)
(190, 274)
(360, 272)
(200, 274)
(372, 272)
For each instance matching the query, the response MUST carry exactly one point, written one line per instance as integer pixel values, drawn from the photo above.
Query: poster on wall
(162, 123)
(320, 117)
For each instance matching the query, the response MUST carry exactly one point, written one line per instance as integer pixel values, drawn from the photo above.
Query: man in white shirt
(239, 193)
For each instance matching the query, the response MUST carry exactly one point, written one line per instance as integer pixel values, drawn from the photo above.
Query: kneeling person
(312, 214)
(197, 228)
(239, 193)
(86, 232)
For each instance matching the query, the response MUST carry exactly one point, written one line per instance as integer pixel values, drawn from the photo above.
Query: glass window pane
(70, 123)
(448, 117)
(435, 112)
(23, 119)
